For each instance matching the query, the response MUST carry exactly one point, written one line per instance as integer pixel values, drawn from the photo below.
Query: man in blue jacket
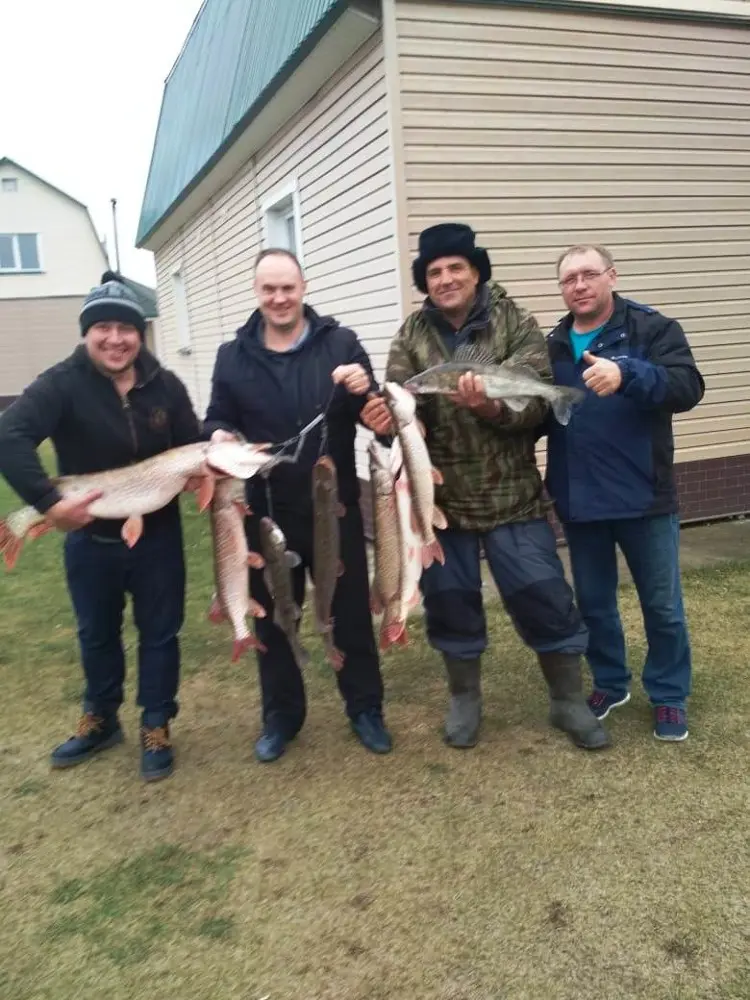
(286, 366)
(610, 473)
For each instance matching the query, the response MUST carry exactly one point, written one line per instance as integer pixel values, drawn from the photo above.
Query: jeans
(529, 575)
(651, 549)
(100, 574)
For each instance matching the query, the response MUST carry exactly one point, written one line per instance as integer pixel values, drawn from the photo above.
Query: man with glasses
(610, 472)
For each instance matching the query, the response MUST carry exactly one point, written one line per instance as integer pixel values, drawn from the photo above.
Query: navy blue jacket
(615, 459)
(270, 395)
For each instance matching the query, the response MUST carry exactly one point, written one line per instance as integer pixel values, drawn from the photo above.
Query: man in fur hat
(492, 491)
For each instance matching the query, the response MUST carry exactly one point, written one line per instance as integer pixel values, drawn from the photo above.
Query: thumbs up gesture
(602, 376)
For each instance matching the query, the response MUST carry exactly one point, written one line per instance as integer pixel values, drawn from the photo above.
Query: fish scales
(278, 574)
(327, 566)
(386, 585)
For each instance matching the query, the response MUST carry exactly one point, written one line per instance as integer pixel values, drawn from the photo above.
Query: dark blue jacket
(270, 395)
(615, 457)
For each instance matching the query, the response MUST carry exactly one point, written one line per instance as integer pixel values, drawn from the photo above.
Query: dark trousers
(651, 549)
(100, 574)
(359, 680)
(529, 575)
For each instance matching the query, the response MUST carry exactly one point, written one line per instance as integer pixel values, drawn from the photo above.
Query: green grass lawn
(522, 870)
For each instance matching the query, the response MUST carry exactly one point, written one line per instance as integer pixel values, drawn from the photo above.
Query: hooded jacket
(269, 396)
(92, 428)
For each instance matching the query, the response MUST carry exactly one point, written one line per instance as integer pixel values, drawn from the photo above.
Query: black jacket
(270, 395)
(92, 428)
(615, 458)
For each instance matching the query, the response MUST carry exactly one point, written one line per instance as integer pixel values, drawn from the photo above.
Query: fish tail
(10, 545)
(393, 633)
(432, 552)
(247, 642)
(563, 403)
(335, 656)
(215, 611)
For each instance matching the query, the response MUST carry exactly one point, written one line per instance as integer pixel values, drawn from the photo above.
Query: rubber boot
(465, 710)
(569, 709)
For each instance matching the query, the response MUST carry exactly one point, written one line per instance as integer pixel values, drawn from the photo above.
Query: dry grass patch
(523, 870)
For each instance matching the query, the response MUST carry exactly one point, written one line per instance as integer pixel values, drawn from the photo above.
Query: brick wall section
(712, 488)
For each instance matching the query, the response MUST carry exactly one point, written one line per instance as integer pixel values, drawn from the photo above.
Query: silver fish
(515, 384)
(278, 574)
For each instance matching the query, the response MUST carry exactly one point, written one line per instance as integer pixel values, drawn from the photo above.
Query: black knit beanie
(111, 301)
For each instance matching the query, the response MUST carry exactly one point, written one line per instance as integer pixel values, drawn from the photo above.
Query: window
(282, 220)
(19, 252)
(184, 337)
(10, 184)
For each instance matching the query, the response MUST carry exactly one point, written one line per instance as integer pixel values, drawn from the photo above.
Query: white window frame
(17, 269)
(9, 185)
(182, 313)
(275, 211)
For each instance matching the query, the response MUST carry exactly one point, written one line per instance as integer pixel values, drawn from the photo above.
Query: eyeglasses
(588, 277)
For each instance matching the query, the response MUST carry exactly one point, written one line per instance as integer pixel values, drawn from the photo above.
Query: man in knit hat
(108, 405)
(492, 491)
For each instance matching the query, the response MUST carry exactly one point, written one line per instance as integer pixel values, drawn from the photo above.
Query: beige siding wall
(35, 334)
(543, 129)
(72, 258)
(337, 151)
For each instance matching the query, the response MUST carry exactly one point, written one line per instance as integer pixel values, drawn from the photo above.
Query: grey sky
(82, 88)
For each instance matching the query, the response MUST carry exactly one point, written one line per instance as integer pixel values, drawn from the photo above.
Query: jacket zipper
(131, 424)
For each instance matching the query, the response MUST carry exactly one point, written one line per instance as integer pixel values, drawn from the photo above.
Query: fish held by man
(385, 589)
(514, 384)
(231, 601)
(327, 565)
(421, 475)
(279, 563)
(131, 491)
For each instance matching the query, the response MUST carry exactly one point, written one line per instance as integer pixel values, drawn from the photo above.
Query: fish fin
(516, 403)
(340, 510)
(437, 476)
(341, 569)
(394, 633)
(335, 656)
(439, 520)
(39, 529)
(216, 612)
(292, 559)
(242, 507)
(255, 560)
(255, 608)
(243, 645)
(206, 491)
(10, 546)
(132, 530)
(520, 367)
(376, 601)
(432, 553)
(562, 406)
(473, 353)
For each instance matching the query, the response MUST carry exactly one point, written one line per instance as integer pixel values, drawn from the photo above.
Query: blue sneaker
(94, 734)
(670, 723)
(270, 746)
(371, 732)
(157, 757)
(601, 703)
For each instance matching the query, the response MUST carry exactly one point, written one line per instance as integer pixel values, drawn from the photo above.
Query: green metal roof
(236, 56)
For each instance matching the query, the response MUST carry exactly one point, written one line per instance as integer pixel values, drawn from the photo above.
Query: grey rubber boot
(569, 709)
(465, 710)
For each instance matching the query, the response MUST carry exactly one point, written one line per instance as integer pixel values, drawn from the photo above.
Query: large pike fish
(420, 473)
(279, 563)
(398, 547)
(327, 565)
(232, 601)
(142, 488)
(515, 384)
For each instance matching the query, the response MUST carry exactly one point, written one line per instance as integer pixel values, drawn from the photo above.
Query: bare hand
(71, 513)
(377, 417)
(604, 377)
(471, 392)
(221, 435)
(354, 378)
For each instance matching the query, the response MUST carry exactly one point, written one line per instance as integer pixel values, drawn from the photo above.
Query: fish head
(400, 402)
(324, 475)
(237, 459)
(381, 475)
(272, 535)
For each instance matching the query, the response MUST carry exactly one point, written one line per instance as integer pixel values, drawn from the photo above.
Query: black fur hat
(449, 239)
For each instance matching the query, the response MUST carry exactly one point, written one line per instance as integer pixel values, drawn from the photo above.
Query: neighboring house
(341, 129)
(50, 258)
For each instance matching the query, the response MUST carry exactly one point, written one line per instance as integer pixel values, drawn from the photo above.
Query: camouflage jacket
(488, 465)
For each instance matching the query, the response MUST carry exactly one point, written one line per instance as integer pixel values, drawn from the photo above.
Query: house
(50, 257)
(341, 128)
